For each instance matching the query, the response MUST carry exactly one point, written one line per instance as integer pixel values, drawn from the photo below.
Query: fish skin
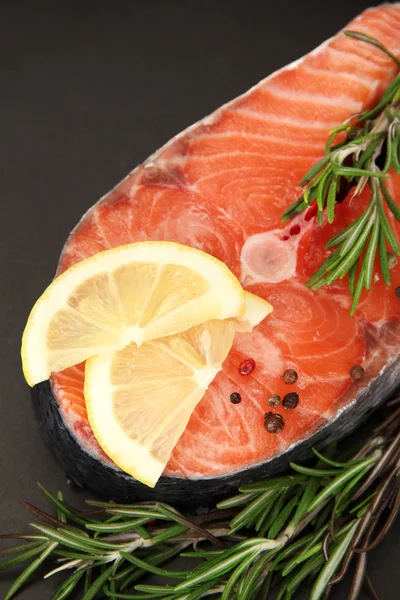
(154, 202)
(105, 481)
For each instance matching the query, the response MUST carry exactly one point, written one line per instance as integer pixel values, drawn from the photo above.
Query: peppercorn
(290, 376)
(392, 260)
(235, 398)
(357, 372)
(274, 400)
(247, 366)
(273, 422)
(290, 400)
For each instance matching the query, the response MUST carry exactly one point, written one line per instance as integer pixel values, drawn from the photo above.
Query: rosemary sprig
(360, 152)
(274, 534)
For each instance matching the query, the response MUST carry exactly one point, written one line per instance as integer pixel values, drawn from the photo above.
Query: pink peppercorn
(247, 366)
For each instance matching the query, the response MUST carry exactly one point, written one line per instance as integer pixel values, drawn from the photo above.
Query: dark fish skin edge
(90, 473)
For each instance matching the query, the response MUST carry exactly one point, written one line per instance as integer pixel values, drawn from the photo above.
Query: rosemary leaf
(351, 162)
(352, 279)
(161, 590)
(340, 503)
(21, 549)
(347, 261)
(390, 202)
(151, 568)
(282, 517)
(383, 258)
(61, 506)
(386, 99)
(98, 583)
(352, 237)
(322, 500)
(340, 480)
(310, 472)
(389, 150)
(334, 463)
(342, 235)
(135, 512)
(357, 292)
(263, 515)
(368, 153)
(25, 575)
(321, 193)
(32, 550)
(157, 559)
(166, 595)
(274, 483)
(238, 500)
(61, 516)
(248, 514)
(350, 172)
(295, 209)
(89, 543)
(345, 127)
(288, 552)
(394, 155)
(303, 505)
(76, 555)
(88, 580)
(117, 527)
(369, 258)
(361, 505)
(353, 254)
(308, 552)
(204, 590)
(330, 263)
(298, 577)
(251, 584)
(81, 548)
(315, 170)
(232, 581)
(388, 231)
(68, 586)
(202, 554)
(363, 37)
(275, 512)
(218, 569)
(330, 205)
(333, 563)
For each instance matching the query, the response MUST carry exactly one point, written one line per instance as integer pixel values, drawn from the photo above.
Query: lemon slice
(256, 310)
(131, 293)
(139, 400)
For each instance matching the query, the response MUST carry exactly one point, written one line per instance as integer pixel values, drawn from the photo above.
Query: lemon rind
(224, 287)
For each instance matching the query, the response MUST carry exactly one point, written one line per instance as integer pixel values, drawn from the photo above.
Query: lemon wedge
(139, 400)
(133, 293)
(256, 310)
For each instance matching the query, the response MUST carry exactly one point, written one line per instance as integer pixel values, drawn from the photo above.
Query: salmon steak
(222, 186)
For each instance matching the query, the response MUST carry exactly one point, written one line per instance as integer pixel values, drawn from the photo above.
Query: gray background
(87, 91)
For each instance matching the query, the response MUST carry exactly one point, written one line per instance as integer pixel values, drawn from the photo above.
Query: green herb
(353, 160)
(309, 525)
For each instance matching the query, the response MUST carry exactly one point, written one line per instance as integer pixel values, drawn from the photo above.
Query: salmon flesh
(222, 186)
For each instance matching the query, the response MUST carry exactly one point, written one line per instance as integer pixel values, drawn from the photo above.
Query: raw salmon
(222, 186)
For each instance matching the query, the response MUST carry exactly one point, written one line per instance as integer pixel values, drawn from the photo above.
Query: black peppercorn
(235, 398)
(290, 376)
(290, 400)
(356, 372)
(397, 291)
(273, 422)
